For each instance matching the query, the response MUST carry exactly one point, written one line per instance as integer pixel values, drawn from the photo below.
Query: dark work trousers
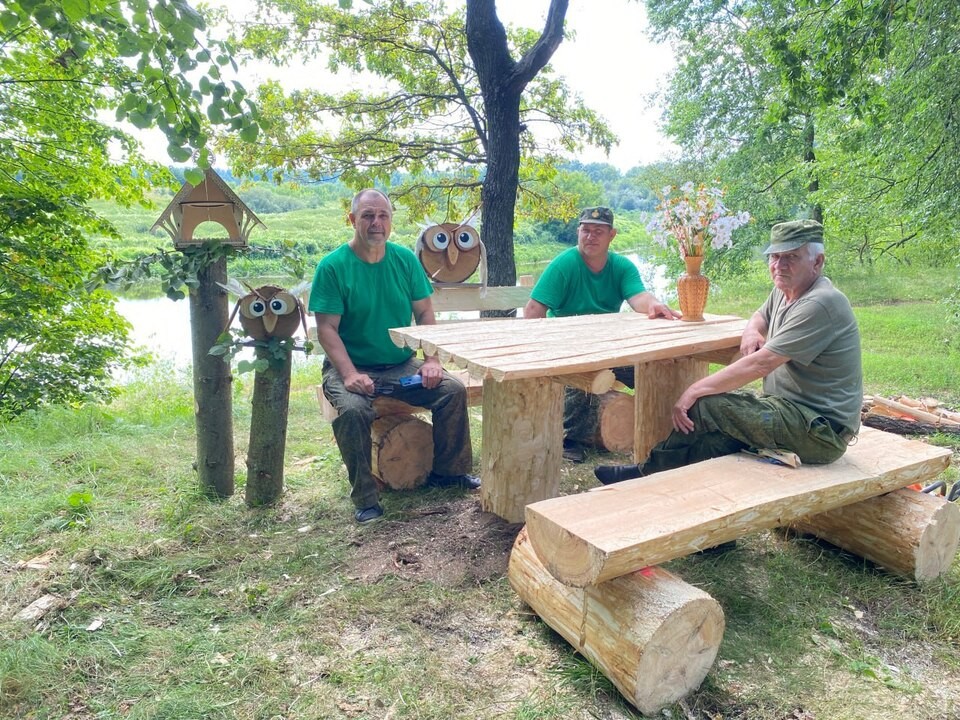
(730, 422)
(580, 410)
(452, 452)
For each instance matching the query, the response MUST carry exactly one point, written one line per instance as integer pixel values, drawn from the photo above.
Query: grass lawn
(175, 606)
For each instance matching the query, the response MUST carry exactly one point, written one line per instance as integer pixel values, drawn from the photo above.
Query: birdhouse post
(213, 201)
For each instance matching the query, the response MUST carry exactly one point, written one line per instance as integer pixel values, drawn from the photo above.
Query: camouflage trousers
(452, 451)
(580, 409)
(730, 422)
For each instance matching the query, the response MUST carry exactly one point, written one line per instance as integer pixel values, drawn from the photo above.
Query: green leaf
(75, 10)
(177, 153)
(194, 176)
(9, 21)
(249, 133)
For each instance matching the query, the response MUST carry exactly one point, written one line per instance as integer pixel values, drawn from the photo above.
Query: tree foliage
(64, 68)
(844, 110)
(435, 120)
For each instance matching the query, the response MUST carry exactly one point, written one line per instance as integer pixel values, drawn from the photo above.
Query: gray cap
(787, 236)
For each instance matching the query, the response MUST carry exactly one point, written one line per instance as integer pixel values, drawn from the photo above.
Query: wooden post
(657, 385)
(212, 383)
(651, 633)
(615, 422)
(522, 444)
(268, 430)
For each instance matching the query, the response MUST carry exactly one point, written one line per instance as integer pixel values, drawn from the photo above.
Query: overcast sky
(610, 63)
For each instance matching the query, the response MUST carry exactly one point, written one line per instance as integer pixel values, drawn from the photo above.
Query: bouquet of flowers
(694, 215)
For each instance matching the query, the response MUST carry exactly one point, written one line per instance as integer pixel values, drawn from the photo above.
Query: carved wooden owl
(450, 253)
(270, 311)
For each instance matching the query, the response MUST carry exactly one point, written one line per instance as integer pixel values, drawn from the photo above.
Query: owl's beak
(453, 253)
(269, 322)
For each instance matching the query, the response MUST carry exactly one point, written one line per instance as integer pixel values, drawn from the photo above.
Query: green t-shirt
(819, 333)
(370, 298)
(568, 287)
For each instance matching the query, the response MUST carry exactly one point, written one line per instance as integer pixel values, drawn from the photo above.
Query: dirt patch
(451, 543)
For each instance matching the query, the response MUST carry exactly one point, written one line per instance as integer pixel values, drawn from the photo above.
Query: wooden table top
(511, 349)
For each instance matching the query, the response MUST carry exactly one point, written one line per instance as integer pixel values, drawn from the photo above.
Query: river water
(162, 326)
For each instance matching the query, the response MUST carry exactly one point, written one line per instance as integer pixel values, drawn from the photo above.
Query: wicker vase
(692, 289)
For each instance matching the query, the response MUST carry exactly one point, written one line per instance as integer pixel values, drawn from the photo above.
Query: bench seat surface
(614, 530)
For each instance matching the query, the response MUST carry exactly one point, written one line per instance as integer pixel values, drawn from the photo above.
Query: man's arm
(745, 370)
(534, 309)
(431, 371)
(328, 334)
(646, 302)
(754, 335)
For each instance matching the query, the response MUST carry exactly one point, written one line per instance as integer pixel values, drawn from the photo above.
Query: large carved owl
(450, 252)
(270, 311)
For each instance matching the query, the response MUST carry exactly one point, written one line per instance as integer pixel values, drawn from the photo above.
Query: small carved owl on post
(451, 252)
(269, 311)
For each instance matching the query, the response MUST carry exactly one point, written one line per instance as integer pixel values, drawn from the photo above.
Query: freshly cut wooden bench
(614, 530)
(586, 564)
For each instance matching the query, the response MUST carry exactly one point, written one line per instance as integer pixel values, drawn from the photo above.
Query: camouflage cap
(597, 216)
(787, 236)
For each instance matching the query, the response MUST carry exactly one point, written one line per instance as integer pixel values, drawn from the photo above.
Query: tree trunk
(907, 532)
(652, 634)
(502, 82)
(268, 431)
(212, 384)
(402, 451)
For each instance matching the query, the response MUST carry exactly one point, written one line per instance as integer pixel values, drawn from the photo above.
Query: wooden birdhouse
(210, 201)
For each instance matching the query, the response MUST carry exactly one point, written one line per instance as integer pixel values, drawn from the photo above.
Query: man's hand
(681, 421)
(659, 309)
(751, 341)
(432, 372)
(358, 382)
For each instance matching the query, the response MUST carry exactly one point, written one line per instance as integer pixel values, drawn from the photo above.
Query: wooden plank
(610, 531)
(456, 298)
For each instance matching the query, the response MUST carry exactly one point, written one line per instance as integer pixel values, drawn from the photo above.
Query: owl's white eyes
(282, 303)
(257, 308)
(439, 240)
(467, 239)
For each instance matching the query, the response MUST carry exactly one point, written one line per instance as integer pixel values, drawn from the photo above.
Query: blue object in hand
(411, 380)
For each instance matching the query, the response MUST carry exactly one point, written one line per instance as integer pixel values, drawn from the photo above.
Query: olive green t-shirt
(568, 287)
(370, 298)
(819, 333)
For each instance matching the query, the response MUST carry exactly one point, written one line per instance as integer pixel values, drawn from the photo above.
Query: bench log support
(653, 635)
(906, 532)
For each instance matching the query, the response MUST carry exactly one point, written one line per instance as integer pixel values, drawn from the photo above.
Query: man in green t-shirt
(590, 280)
(804, 343)
(360, 291)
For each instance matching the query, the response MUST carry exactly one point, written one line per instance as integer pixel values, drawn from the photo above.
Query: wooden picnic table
(520, 362)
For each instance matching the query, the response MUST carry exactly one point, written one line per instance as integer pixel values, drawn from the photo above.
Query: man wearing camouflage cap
(590, 280)
(805, 345)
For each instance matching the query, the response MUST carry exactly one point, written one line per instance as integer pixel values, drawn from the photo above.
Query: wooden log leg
(907, 532)
(657, 386)
(522, 444)
(651, 633)
(615, 422)
(402, 452)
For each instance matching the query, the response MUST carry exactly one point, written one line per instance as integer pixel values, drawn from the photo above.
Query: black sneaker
(465, 482)
(609, 474)
(573, 452)
(368, 515)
